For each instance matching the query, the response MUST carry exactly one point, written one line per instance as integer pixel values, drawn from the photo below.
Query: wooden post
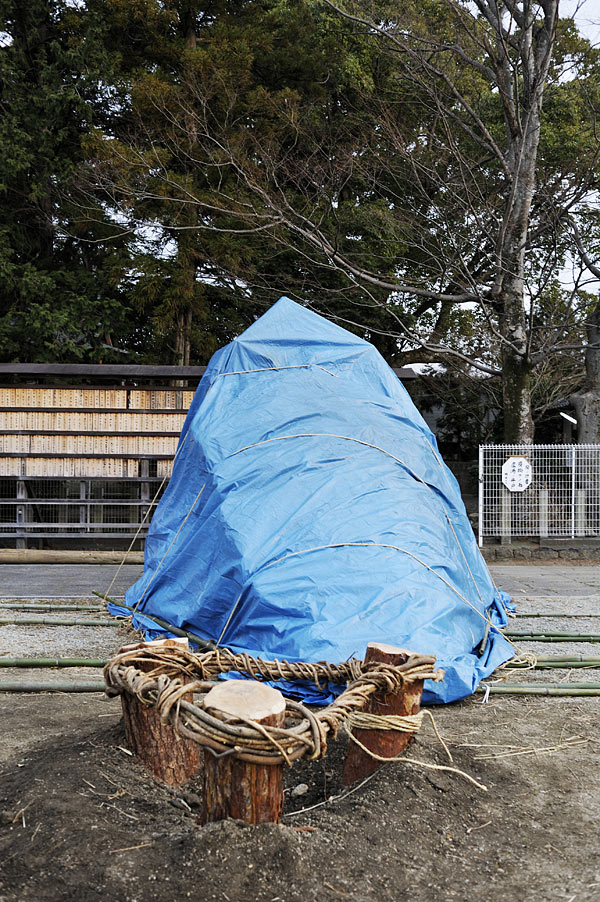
(505, 516)
(543, 513)
(83, 508)
(169, 756)
(387, 743)
(144, 489)
(580, 512)
(236, 788)
(22, 515)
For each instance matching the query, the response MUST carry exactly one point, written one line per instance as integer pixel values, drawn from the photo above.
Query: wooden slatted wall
(88, 432)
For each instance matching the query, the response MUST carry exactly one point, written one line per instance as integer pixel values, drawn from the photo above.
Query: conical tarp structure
(309, 513)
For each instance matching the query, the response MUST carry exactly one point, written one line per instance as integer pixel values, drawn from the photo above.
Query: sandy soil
(81, 820)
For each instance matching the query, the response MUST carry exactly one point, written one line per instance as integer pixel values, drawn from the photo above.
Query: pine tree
(61, 298)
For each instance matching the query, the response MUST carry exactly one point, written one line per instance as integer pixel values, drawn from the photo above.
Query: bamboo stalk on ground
(54, 621)
(558, 665)
(570, 657)
(187, 634)
(53, 662)
(553, 614)
(53, 686)
(548, 636)
(44, 606)
(574, 689)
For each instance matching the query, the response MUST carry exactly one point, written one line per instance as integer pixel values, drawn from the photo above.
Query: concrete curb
(535, 554)
(491, 553)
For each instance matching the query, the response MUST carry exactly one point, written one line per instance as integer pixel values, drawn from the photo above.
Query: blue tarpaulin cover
(309, 513)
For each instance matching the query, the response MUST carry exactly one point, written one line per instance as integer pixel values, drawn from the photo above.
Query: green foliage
(168, 168)
(60, 297)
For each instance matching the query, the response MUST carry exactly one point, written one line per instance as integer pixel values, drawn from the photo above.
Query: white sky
(587, 16)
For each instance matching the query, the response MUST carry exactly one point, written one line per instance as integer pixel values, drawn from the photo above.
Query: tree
(399, 172)
(62, 290)
(586, 400)
(159, 162)
(484, 81)
(183, 265)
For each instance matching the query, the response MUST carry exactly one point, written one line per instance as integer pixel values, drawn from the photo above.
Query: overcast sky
(587, 16)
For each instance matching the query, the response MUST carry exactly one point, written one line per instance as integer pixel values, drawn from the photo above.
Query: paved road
(64, 580)
(561, 580)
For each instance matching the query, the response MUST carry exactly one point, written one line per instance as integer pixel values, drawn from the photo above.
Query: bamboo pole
(553, 637)
(567, 664)
(553, 614)
(53, 662)
(49, 621)
(567, 658)
(541, 689)
(187, 634)
(43, 606)
(53, 686)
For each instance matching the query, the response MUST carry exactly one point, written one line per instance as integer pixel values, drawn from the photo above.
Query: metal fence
(35, 511)
(539, 490)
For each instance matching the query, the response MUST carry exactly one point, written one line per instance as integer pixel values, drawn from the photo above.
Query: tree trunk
(587, 401)
(169, 756)
(188, 217)
(523, 120)
(516, 395)
(387, 743)
(235, 788)
(178, 350)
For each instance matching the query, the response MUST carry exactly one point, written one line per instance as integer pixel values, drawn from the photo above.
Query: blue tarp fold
(309, 513)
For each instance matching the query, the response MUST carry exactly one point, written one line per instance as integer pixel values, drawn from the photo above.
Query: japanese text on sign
(516, 474)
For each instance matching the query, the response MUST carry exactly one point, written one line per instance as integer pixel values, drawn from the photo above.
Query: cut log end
(247, 699)
(377, 650)
(176, 642)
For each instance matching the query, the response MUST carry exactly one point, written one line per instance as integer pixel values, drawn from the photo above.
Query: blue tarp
(309, 513)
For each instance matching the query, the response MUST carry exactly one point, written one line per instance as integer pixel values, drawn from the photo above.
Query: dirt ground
(81, 820)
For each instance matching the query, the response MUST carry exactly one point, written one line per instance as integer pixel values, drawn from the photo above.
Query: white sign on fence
(516, 474)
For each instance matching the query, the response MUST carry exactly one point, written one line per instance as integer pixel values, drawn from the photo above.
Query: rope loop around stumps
(175, 682)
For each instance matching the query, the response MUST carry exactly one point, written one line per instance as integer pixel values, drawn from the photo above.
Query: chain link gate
(562, 500)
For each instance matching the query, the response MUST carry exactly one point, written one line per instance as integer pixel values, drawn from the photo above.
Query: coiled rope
(179, 681)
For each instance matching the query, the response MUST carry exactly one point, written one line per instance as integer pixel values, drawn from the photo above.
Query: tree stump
(161, 749)
(387, 743)
(236, 788)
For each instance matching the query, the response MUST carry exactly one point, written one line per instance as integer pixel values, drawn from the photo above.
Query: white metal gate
(561, 500)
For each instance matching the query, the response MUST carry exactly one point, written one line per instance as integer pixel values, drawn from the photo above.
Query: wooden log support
(236, 788)
(169, 756)
(387, 743)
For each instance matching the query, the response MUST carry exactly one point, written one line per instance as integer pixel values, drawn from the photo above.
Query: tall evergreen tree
(61, 298)
(220, 90)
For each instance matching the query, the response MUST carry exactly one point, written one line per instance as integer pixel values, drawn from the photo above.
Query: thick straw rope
(305, 734)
